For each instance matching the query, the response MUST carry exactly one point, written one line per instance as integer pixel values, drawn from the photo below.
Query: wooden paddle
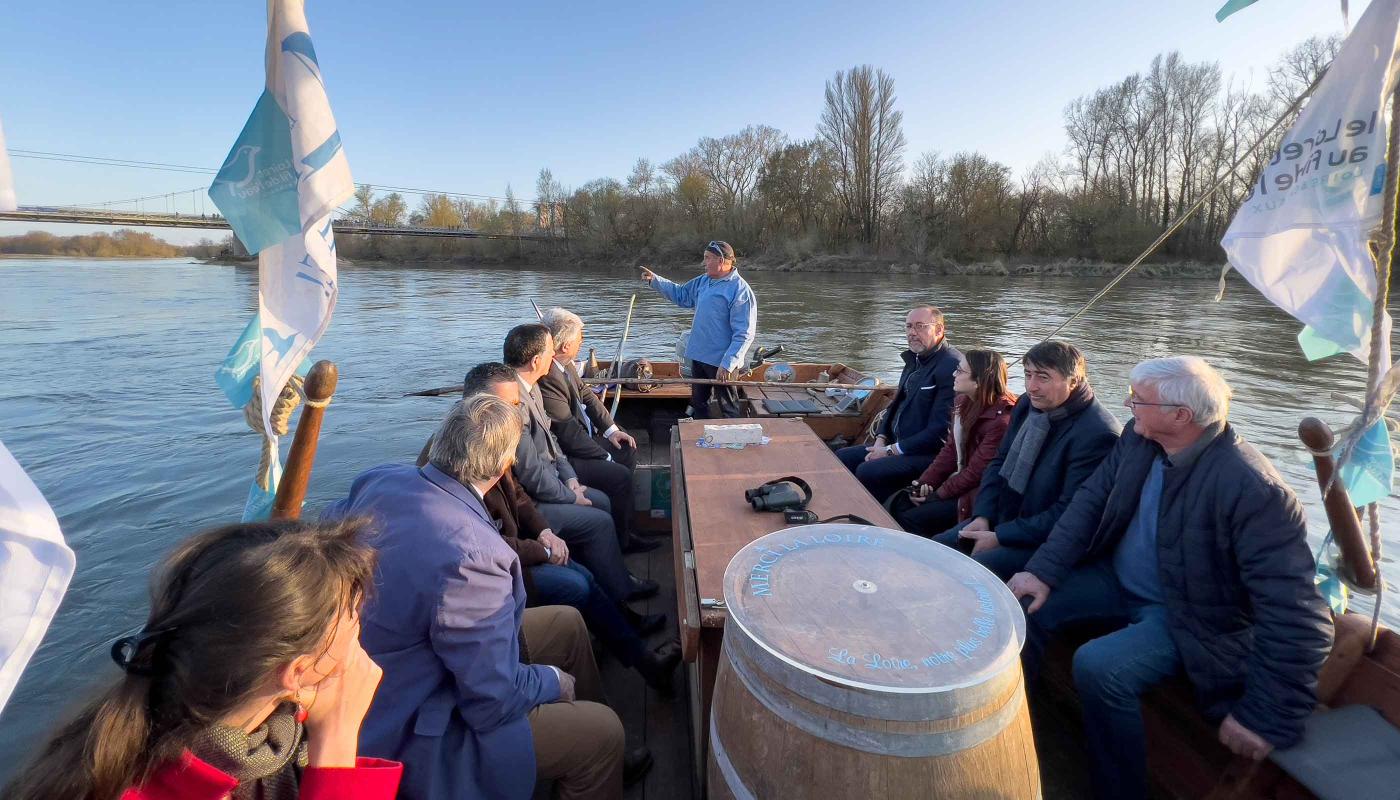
(457, 389)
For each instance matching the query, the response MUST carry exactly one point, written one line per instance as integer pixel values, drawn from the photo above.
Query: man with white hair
(601, 453)
(1190, 544)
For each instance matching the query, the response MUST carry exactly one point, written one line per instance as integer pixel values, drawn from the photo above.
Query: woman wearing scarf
(247, 682)
(943, 495)
(1058, 435)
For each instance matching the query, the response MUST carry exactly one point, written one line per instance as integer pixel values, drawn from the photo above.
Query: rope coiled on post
(281, 418)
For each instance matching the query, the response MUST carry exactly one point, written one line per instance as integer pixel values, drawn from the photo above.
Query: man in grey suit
(582, 516)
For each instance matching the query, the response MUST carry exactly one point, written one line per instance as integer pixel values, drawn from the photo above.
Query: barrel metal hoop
(908, 745)
(897, 708)
(732, 781)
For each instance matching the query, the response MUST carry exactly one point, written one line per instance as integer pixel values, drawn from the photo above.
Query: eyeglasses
(913, 326)
(961, 370)
(717, 248)
(1134, 402)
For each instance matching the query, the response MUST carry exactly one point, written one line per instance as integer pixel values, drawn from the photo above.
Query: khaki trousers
(578, 745)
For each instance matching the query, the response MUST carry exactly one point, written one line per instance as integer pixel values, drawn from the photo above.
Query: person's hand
(581, 499)
(573, 484)
(982, 540)
(978, 524)
(648, 276)
(724, 374)
(621, 437)
(566, 687)
(919, 492)
(558, 548)
(335, 713)
(1024, 584)
(1241, 740)
(875, 452)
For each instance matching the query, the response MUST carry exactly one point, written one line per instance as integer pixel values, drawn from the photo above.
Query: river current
(107, 395)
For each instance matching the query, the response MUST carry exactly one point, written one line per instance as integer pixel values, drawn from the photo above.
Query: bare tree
(863, 130)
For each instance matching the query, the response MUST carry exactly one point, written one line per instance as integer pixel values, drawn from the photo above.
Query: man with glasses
(726, 320)
(916, 423)
(1189, 543)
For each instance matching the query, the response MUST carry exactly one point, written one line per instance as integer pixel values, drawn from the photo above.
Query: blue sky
(471, 97)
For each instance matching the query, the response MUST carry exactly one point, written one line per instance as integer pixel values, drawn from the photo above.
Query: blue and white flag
(1301, 235)
(35, 568)
(282, 179)
(7, 181)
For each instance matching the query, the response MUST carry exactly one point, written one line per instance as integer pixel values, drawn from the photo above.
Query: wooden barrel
(861, 662)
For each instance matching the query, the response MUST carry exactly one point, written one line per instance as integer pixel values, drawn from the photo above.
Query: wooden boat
(655, 408)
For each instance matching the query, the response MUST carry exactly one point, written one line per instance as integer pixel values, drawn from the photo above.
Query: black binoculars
(782, 494)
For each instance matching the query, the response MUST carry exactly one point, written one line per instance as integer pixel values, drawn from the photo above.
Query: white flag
(1301, 235)
(35, 567)
(284, 176)
(7, 180)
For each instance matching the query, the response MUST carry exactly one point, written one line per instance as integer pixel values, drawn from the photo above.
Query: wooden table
(711, 521)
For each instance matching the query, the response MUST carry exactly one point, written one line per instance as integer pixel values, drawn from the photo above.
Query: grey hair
(564, 325)
(1189, 382)
(477, 439)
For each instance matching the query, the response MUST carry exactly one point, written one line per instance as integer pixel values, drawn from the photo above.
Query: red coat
(980, 443)
(193, 779)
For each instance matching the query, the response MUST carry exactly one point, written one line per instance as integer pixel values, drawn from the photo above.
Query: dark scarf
(267, 763)
(1025, 448)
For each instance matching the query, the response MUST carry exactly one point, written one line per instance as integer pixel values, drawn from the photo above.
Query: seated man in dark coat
(916, 422)
(580, 514)
(1189, 542)
(1059, 433)
(551, 576)
(602, 453)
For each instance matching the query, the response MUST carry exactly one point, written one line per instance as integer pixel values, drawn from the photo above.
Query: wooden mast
(291, 491)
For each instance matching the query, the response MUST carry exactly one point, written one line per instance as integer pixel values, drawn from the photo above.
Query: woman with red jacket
(943, 495)
(247, 681)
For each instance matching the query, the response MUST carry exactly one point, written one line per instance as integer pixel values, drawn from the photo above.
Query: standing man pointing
(726, 318)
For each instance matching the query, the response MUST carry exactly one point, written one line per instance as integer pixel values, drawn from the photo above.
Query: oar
(441, 390)
(617, 362)
(538, 312)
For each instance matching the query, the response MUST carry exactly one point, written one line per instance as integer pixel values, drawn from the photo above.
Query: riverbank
(826, 264)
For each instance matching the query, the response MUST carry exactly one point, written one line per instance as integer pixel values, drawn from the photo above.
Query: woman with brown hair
(247, 681)
(943, 495)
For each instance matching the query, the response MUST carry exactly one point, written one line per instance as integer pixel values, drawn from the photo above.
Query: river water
(107, 395)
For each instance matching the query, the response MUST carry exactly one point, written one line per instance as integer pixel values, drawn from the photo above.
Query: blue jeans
(1111, 673)
(1002, 561)
(883, 476)
(592, 540)
(573, 585)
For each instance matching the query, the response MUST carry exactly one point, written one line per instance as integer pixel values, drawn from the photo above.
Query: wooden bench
(1185, 757)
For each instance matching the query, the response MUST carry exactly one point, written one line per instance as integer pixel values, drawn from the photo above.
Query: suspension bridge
(192, 208)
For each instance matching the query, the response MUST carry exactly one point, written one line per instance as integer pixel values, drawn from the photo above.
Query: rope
(1381, 384)
(1186, 215)
(281, 418)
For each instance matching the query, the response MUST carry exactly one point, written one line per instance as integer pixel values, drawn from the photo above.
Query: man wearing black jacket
(1188, 542)
(916, 423)
(602, 453)
(1059, 434)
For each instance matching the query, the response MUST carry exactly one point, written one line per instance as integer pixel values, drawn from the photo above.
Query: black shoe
(635, 764)
(658, 668)
(635, 545)
(643, 588)
(644, 624)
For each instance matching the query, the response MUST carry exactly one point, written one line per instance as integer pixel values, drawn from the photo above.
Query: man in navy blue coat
(916, 423)
(461, 704)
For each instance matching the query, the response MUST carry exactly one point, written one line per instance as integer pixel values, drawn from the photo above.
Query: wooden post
(1341, 515)
(291, 491)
